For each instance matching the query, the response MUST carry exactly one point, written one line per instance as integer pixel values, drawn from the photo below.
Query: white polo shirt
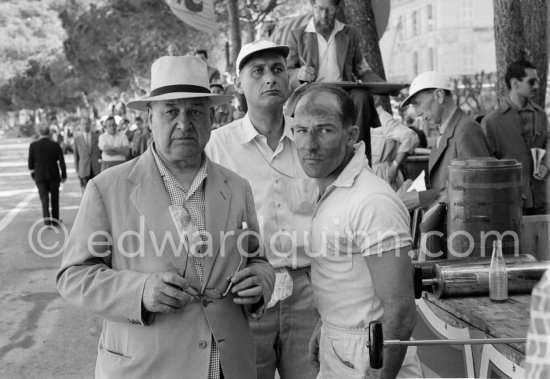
(283, 194)
(357, 216)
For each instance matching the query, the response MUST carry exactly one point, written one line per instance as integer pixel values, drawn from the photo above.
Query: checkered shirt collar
(171, 179)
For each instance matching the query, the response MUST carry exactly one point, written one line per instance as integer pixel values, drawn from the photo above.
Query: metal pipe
(473, 341)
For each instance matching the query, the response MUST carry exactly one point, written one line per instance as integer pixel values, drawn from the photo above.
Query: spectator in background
(223, 113)
(518, 126)
(114, 145)
(391, 143)
(86, 151)
(326, 50)
(45, 162)
(142, 137)
(124, 128)
(460, 137)
(213, 73)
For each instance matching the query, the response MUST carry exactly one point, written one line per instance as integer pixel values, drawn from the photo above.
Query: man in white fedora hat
(163, 246)
(260, 147)
(460, 136)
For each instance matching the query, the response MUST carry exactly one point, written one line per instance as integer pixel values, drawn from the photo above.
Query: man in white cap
(460, 136)
(260, 147)
(158, 247)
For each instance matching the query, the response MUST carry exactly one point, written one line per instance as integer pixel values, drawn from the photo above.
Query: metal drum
(484, 197)
(473, 279)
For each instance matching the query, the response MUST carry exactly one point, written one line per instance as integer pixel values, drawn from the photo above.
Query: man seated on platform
(359, 244)
(326, 50)
(460, 136)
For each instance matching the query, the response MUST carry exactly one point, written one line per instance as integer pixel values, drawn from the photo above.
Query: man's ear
(150, 117)
(238, 87)
(353, 135)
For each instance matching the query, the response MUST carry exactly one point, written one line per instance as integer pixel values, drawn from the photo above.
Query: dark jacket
(46, 159)
(303, 46)
(462, 139)
(501, 127)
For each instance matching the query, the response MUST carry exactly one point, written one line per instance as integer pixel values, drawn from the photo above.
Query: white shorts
(343, 353)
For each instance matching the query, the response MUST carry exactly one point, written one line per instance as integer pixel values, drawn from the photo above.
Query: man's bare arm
(392, 280)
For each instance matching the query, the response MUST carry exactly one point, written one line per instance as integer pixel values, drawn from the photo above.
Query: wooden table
(496, 320)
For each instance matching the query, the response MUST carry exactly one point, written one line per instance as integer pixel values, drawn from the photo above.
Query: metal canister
(425, 269)
(473, 278)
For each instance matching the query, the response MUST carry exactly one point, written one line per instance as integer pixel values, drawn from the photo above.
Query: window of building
(415, 63)
(468, 58)
(414, 19)
(430, 20)
(467, 13)
(431, 59)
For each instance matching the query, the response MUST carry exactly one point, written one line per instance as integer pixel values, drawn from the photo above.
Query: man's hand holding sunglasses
(167, 292)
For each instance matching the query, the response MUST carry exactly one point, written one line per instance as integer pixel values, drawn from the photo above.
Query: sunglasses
(329, 9)
(532, 81)
(215, 293)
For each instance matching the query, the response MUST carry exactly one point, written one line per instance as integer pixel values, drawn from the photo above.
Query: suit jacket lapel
(218, 198)
(447, 135)
(342, 41)
(155, 211)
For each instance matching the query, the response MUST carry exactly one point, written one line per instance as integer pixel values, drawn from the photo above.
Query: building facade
(454, 37)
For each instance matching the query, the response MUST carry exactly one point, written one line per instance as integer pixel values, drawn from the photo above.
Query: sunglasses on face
(329, 9)
(532, 81)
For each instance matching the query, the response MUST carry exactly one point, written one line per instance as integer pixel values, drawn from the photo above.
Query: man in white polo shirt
(260, 148)
(360, 240)
(113, 144)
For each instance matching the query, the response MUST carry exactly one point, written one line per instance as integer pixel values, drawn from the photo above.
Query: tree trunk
(359, 14)
(234, 32)
(509, 39)
(535, 16)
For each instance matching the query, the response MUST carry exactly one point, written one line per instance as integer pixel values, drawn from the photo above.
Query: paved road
(41, 336)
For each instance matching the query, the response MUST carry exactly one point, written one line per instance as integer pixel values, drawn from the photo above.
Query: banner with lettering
(198, 14)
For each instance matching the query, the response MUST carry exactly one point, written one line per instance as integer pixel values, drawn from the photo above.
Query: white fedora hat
(427, 80)
(178, 77)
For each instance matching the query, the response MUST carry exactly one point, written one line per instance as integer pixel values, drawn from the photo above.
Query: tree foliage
(115, 44)
(50, 84)
(30, 30)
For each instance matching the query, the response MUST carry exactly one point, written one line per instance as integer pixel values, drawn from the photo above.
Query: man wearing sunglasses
(163, 246)
(516, 128)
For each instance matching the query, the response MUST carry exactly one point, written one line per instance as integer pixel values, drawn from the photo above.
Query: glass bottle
(498, 278)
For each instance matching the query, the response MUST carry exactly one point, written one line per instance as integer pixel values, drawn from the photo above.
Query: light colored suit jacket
(86, 157)
(127, 210)
(462, 139)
